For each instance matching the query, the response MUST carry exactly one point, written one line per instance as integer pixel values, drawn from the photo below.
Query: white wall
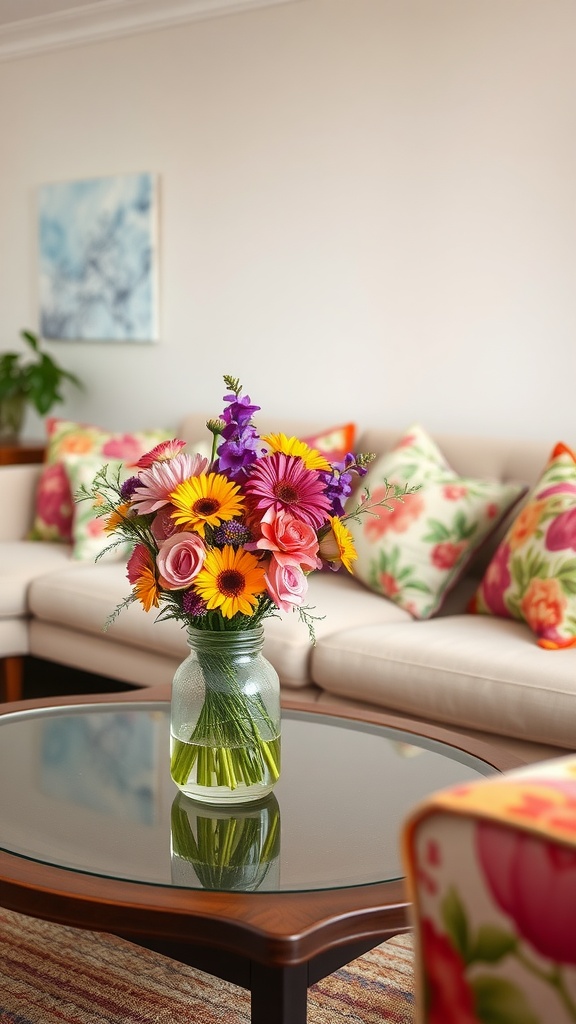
(367, 210)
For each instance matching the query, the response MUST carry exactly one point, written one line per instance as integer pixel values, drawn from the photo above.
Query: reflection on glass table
(235, 850)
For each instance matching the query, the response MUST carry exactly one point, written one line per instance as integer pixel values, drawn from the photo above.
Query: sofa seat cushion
(14, 639)
(468, 671)
(82, 597)
(340, 602)
(21, 562)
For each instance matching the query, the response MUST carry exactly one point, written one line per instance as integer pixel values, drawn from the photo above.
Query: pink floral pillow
(532, 576)
(415, 553)
(54, 509)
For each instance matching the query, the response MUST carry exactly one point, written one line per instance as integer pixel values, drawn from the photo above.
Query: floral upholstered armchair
(491, 870)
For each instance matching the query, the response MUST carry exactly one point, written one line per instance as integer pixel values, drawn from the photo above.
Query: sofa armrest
(17, 494)
(491, 875)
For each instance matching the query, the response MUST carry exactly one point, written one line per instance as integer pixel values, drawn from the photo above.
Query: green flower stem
(553, 978)
(229, 852)
(226, 745)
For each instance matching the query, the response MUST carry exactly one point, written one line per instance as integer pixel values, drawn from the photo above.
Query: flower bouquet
(220, 544)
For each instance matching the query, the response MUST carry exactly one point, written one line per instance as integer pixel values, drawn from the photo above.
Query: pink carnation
(287, 585)
(291, 540)
(179, 560)
(163, 452)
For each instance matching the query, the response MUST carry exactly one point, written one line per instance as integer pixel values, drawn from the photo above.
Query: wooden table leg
(279, 994)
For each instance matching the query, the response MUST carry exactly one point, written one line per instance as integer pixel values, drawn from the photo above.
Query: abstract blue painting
(98, 259)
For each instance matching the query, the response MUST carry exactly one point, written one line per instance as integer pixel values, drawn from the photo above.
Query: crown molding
(107, 19)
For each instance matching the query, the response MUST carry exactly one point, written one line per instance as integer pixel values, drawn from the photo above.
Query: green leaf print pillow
(88, 536)
(416, 553)
(532, 576)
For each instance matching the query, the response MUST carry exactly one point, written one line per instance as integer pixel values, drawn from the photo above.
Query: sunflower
(230, 580)
(338, 545)
(206, 499)
(311, 458)
(283, 482)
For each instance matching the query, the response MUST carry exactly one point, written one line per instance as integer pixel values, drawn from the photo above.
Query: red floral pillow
(54, 510)
(334, 443)
(532, 576)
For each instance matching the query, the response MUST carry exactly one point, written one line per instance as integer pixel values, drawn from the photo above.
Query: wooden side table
(13, 452)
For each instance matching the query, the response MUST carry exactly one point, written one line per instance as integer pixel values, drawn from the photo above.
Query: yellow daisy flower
(208, 498)
(337, 545)
(311, 458)
(230, 580)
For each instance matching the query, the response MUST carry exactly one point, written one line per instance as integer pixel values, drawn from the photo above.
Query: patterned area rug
(50, 974)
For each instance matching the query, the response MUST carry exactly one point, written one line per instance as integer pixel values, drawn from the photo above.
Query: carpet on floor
(52, 974)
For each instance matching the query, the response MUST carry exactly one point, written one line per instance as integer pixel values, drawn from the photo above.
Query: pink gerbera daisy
(163, 452)
(283, 482)
(157, 482)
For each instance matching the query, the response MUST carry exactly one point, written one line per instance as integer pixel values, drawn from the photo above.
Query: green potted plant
(35, 381)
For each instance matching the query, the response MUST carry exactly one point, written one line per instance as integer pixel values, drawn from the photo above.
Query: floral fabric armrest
(491, 873)
(18, 489)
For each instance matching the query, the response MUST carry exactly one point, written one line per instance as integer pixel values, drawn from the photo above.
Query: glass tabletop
(88, 788)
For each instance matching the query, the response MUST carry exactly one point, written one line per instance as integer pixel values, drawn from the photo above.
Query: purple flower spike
(239, 410)
(238, 451)
(338, 486)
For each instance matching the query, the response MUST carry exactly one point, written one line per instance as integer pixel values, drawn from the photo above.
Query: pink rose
(453, 492)
(533, 880)
(446, 554)
(179, 560)
(291, 541)
(397, 518)
(163, 526)
(287, 584)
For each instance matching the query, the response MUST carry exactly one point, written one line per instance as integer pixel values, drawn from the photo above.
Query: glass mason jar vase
(225, 718)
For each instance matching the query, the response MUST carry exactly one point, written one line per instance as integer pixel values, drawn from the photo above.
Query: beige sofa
(481, 674)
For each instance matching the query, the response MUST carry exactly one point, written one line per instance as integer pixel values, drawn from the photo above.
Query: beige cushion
(13, 637)
(82, 597)
(465, 670)
(20, 562)
(18, 488)
(343, 603)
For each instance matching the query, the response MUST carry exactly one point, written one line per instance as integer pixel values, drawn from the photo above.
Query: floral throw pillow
(54, 509)
(415, 553)
(532, 576)
(334, 443)
(89, 539)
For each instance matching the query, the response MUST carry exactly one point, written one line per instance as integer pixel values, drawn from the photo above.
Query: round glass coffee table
(272, 896)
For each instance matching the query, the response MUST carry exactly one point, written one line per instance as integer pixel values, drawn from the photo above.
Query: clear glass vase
(227, 848)
(225, 718)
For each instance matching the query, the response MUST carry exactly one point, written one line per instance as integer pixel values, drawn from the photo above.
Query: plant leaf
(501, 1002)
(456, 922)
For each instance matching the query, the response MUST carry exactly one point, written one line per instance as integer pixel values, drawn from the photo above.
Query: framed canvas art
(98, 259)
